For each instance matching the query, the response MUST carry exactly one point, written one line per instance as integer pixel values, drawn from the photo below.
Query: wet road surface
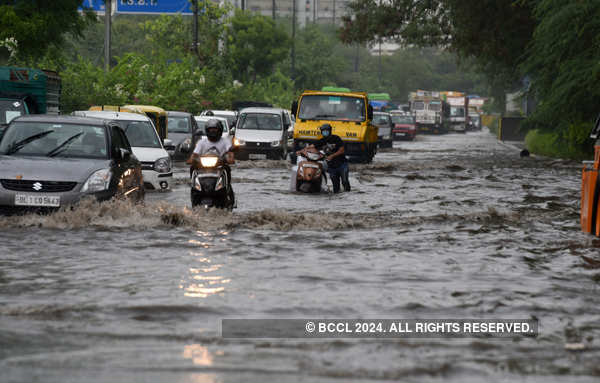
(454, 226)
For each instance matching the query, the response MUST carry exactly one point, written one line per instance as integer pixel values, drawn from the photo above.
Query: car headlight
(209, 162)
(276, 143)
(186, 145)
(98, 181)
(238, 142)
(163, 165)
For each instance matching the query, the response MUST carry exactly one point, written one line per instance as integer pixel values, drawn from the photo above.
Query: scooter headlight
(209, 162)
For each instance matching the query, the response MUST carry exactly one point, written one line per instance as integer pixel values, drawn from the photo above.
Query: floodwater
(454, 226)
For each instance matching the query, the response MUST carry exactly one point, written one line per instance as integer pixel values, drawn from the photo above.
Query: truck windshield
(325, 107)
(418, 105)
(435, 106)
(10, 109)
(457, 111)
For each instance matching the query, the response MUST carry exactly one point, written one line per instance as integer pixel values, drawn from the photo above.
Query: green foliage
(316, 61)
(254, 45)
(40, 26)
(564, 62)
(138, 80)
(571, 143)
(491, 35)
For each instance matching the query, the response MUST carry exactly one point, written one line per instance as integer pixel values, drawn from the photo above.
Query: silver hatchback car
(48, 161)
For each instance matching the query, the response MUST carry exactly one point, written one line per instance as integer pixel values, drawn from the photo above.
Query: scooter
(310, 175)
(211, 186)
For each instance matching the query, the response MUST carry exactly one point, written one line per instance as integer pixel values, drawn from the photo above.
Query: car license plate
(37, 200)
(257, 156)
(400, 134)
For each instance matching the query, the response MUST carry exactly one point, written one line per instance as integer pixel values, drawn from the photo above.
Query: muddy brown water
(454, 226)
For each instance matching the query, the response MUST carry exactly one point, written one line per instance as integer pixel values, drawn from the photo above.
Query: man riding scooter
(337, 164)
(213, 143)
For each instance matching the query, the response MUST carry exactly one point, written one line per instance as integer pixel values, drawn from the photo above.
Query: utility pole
(314, 4)
(333, 12)
(107, 12)
(293, 39)
(274, 9)
(356, 58)
(195, 26)
(380, 62)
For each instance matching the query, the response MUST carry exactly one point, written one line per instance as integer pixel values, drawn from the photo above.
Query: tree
(494, 33)
(564, 62)
(254, 44)
(39, 26)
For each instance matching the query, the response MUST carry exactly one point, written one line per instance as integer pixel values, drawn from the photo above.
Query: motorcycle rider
(213, 140)
(337, 164)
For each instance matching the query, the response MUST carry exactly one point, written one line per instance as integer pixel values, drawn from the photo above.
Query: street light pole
(293, 39)
(107, 12)
(274, 9)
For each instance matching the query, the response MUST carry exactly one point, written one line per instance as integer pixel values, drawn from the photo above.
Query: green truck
(27, 91)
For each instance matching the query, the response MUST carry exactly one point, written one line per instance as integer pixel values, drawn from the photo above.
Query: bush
(572, 143)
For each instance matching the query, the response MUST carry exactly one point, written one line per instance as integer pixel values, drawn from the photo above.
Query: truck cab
(350, 115)
(27, 91)
(431, 112)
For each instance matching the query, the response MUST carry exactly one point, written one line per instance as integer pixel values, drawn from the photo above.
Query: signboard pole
(107, 17)
(195, 9)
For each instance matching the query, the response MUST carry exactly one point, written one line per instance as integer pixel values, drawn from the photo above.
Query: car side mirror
(369, 112)
(294, 108)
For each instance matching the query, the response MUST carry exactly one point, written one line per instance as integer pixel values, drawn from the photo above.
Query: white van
(146, 146)
(262, 133)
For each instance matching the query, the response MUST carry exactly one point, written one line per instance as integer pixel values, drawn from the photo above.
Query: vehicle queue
(49, 161)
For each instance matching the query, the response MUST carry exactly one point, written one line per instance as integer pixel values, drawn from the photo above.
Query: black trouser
(339, 173)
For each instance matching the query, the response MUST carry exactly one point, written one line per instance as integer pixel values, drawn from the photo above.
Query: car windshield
(457, 111)
(322, 107)
(202, 123)
(178, 125)
(260, 121)
(402, 119)
(140, 134)
(380, 119)
(230, 119)
(49, 139)
(10, 109)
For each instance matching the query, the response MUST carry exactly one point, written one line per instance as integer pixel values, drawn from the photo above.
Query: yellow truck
(349, 113)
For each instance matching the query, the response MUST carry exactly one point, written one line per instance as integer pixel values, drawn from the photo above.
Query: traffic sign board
(154, 6)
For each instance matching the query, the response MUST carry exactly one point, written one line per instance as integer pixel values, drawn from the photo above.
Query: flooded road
(454, 226)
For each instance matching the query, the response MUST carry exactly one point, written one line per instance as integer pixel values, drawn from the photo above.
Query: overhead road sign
(154, 6)
(95, 5)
